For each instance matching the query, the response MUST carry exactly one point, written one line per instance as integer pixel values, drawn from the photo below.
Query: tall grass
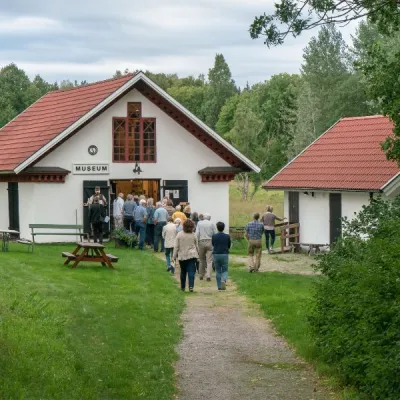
(241, 211)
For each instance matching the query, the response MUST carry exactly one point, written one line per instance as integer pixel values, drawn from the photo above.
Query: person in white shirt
(169, 234)
(118, 211)
(204, 231)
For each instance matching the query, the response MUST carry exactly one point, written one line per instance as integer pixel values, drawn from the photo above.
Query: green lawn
(88, 333)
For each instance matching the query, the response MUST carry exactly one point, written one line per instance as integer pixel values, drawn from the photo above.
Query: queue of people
(186, 237)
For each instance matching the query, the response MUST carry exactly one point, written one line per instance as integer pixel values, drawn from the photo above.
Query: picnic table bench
(97, 254)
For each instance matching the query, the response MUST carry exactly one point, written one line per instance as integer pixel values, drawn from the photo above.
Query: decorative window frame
(142, 139)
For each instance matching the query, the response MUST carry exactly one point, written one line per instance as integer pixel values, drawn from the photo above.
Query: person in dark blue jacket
(221, 244)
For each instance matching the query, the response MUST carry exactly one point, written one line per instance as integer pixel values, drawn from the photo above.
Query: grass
(88, 333)
(284, 300)
(241, 211)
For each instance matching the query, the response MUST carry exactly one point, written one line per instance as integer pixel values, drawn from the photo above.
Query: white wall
(4, 220)
(314, 213)
(353, 202)
(179, 157)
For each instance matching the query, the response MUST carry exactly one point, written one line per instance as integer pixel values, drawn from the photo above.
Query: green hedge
(356, 315)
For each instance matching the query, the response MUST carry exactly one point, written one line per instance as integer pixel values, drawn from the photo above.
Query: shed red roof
(346, 157)
(48, 117)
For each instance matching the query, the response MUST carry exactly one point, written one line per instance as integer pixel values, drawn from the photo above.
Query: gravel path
(230, 351)
(288, 263)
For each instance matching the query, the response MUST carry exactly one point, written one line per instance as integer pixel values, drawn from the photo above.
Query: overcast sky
(78, 39)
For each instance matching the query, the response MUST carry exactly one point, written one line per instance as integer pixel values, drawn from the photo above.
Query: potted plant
(124, 238)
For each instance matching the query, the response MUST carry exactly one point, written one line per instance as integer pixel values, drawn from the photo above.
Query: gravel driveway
(288, 263)
(230, 351)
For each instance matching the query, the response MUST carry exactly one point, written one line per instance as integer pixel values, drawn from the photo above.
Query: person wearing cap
(102, 199)
(179, 214)
(204, 231)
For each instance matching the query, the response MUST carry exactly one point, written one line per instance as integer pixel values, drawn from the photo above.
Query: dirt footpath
(230, 351)
(287, 263)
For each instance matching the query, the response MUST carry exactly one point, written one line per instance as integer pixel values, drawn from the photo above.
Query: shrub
(355, 317)
(130, 239)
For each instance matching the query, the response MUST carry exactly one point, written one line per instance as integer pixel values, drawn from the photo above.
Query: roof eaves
(200, 123)
(76, 124)
(311, 189)
(389, 181)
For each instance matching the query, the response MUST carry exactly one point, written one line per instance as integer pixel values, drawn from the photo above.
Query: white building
(335, 176)
(55, 153)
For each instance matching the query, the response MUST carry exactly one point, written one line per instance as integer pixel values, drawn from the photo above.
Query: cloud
(25, 25)
(76, 40)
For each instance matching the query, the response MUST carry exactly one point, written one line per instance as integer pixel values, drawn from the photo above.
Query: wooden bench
(112, 258)
(68, 255)
(57, 227)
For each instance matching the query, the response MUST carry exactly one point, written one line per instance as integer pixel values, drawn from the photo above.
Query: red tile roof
(348, 156)
(48, 117)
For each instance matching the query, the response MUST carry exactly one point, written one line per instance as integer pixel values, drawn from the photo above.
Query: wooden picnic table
(5, 233)
(97, 254)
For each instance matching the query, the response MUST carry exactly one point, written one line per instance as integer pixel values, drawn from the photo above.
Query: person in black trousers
(96, 218)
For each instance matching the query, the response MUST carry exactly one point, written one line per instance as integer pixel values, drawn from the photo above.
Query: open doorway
(146, 187)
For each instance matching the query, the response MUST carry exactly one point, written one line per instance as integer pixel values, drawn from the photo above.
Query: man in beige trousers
(204, 232)
(254, 232)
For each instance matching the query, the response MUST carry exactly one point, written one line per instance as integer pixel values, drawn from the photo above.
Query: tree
(259, 122)
(292, 17)
(221, 87)
(14, 85)
(380, 67)
(330, 88)
(226, 118)
(192, 97)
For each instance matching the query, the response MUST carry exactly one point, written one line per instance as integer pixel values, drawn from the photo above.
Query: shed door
(293, 207)
(13, 206)
(88, 190)
(178, 191)
(335, 216)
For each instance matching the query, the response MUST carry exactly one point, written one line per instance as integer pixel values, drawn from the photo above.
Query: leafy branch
(292, 17)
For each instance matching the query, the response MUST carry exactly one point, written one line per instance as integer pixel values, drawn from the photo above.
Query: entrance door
(293, 212)
(335, 216)
(88, 190)
(293, 207)
(13, 206)
(178, 191)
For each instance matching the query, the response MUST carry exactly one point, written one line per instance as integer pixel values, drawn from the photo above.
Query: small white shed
(335, 176)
